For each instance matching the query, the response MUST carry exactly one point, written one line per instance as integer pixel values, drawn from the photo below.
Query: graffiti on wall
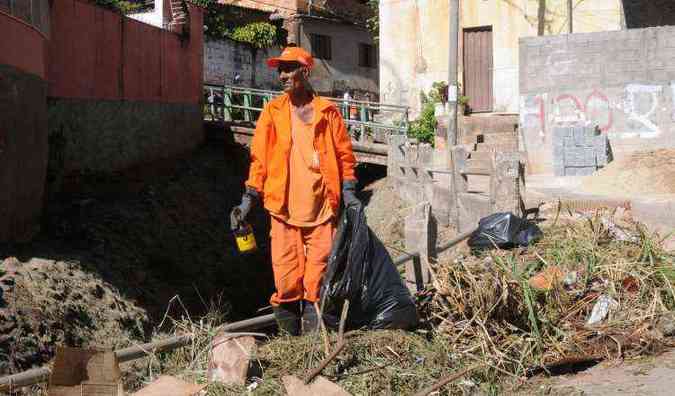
(636, 107)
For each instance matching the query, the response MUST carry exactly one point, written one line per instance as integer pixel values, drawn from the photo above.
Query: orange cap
(292, 54)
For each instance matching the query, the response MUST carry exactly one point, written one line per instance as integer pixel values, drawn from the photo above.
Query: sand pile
(648, 172)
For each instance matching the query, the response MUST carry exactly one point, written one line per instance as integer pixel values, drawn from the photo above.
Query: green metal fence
(365, 120)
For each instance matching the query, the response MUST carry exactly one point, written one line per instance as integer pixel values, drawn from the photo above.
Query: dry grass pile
(485, 311)
(489, 309)
(372, 363)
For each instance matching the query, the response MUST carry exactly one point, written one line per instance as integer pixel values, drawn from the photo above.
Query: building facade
(334, 31)
(414, 40)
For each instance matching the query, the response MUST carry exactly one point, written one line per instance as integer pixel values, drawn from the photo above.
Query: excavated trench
(115, 250)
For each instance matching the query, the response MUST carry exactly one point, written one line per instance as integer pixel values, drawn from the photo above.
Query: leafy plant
(224, 21)
(125, 7)
(258, 34)
(373, 23)
(424, 128)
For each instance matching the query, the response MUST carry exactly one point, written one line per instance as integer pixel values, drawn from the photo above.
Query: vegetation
(125, 7)
(373, 22)
(222, 21)
(424, 128)
(482, 310)
(258, 34)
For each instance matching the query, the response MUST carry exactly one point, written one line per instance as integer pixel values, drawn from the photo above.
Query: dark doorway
(478, 68)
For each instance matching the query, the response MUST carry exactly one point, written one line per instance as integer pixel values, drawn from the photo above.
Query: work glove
(239, 213)
(349, 193)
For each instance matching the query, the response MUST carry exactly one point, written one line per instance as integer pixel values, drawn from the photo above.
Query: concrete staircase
(179, 16)
(483, 136)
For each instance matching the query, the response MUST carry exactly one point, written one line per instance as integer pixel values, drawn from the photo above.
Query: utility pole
(541, 18)
(570, 15)
(452, 72)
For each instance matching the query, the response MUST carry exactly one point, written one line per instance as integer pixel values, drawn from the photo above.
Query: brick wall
(623, 82)
(224, 59)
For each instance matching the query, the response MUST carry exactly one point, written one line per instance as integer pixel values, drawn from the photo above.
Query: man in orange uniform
(302, 167)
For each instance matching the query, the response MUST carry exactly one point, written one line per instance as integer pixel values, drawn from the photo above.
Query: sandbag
(504, 231)
(361, 270)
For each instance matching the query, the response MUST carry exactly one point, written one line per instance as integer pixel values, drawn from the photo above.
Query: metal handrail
(366, 109)
(238, 89)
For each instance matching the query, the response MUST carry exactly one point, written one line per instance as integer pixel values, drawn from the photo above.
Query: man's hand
(239, 213)
(349, 194)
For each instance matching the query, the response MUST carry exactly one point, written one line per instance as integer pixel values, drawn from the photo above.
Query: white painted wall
(154, 18)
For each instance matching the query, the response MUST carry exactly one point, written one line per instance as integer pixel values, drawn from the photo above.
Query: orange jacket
(270, 150)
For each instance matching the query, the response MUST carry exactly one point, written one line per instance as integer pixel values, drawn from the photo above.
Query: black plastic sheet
(361, 270)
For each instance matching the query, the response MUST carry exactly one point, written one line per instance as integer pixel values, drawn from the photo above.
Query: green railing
(365, 120)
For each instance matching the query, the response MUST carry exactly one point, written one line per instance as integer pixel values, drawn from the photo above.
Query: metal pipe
(459, 238)
(34, 376)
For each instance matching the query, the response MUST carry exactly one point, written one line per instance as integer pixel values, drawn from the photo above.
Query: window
(367, 55)
(321, 46)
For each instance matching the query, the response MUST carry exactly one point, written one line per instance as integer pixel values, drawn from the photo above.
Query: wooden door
(478, 68)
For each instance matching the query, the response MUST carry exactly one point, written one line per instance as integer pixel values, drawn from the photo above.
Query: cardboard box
(85, 372)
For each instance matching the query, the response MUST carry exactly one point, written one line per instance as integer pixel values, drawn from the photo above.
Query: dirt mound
(385, 213)
(648, 172)
(45, 303)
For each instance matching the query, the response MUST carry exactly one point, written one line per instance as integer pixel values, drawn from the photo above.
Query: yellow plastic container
(245, 239)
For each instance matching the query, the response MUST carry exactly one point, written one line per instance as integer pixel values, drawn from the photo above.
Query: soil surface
(649, 172)
(653, 376)
(113, 254)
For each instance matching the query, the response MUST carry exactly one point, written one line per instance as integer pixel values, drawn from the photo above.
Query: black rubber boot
(288, 317)
(310, 318)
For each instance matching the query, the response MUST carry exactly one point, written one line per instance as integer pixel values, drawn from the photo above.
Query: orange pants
(299, 258)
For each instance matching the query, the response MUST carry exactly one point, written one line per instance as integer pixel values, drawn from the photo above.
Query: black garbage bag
(361, 270)
(504, 231)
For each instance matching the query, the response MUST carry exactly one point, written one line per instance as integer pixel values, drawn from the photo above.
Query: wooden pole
(438, 385)
(570, 16)
(541, 18)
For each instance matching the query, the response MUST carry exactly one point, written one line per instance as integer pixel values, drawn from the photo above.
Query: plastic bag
(361, 270)
(504, 231)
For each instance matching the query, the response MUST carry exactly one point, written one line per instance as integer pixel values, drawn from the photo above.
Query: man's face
(292, 76)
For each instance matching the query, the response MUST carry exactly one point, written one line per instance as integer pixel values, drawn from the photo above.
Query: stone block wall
(579, 151)
(416, 171)
(622, 82)
(225, 59)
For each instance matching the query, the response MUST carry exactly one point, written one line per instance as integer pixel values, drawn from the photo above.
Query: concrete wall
(343, 70)
(414, 41)
(623, 82)
(121, 93)
(23, 127)
(408, 166)
(223, 59)
(158, 17)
